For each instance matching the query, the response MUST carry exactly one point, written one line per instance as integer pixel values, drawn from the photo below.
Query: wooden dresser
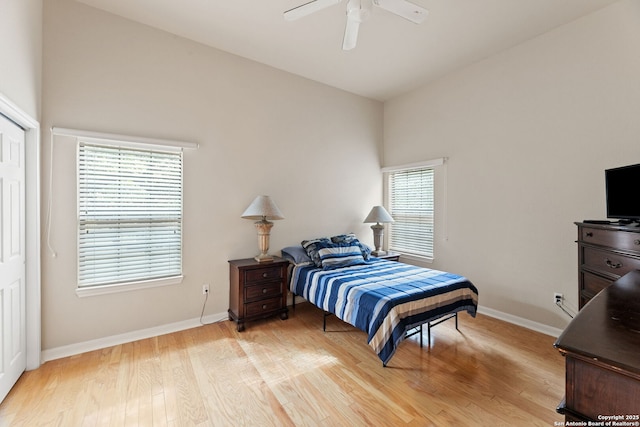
(257, 290)
(605, 253)
(601, 346)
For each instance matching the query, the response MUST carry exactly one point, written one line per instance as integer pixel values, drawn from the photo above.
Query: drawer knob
(264, 306)
(588, 234)
(264, 290)
(610, 264)
(265, 275)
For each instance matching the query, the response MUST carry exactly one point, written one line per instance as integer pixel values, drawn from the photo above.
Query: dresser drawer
(592, 284)
(265, 306)
(264, 291)
(608, 262)
(262, 274)
(621, 240)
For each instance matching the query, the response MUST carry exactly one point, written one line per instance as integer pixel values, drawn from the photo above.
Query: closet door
(12, 255)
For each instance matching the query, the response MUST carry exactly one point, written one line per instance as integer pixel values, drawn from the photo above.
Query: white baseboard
(520, 321)
(97, 344)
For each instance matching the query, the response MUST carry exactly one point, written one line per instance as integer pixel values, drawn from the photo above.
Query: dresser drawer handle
(588, 234)
(264, 290)
(636, 242)
(264, 306)
(611, 264)
(265, 275)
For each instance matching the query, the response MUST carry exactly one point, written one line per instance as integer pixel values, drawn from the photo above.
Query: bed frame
(414, 331)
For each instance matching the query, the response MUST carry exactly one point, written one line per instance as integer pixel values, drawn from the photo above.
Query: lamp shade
(378, 214)
(262, 207)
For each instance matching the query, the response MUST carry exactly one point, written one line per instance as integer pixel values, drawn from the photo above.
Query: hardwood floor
(290, 373)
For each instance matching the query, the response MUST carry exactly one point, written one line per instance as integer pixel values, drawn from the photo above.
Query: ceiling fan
(359, 11)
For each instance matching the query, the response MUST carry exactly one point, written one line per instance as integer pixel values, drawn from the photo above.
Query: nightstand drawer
(267, 290)
(262, 274)
(265, 306)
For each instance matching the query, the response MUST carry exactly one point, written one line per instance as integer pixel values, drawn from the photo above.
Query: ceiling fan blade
(350, 33)
(403, 8)
(308, 9)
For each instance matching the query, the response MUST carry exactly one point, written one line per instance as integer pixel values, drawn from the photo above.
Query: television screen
(621, 184)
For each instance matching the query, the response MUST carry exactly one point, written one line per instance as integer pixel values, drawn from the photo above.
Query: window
(129, 215)
(411, 203)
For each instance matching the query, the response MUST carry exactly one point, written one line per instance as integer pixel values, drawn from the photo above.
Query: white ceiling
(393, 55)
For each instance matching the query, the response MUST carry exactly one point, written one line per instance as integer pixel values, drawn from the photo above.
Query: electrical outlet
(205, 289)
(557, 298)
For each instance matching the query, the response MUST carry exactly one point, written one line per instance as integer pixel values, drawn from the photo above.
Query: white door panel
(12, 255)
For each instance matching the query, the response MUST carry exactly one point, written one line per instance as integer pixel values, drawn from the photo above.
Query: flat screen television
(623, 200)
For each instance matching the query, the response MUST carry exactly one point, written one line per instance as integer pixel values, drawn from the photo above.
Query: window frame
(141, 283)
(387, 173)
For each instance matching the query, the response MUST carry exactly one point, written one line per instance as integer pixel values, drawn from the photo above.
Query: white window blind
(411, 203)
(129, 214)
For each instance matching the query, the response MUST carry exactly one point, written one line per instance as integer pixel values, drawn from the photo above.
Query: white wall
(21, 53)
(20, 99)
(528, 134)
(316, 150)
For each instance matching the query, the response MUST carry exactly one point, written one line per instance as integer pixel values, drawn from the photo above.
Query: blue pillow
(310, 246)
(296, 254)
(336, 255)
(351, 238)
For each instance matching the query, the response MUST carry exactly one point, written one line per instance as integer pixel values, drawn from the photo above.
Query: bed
(386, 299)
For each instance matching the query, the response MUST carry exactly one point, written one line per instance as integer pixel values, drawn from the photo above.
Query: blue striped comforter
(384, 298)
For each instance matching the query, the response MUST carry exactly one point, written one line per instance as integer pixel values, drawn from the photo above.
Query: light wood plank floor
(290, 373)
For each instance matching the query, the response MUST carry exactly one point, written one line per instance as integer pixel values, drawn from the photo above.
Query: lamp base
(264, 229)
(378, 253)
(263, 258)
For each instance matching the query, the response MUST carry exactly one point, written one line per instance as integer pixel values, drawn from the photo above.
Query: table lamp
(378, 215)
(263, 209)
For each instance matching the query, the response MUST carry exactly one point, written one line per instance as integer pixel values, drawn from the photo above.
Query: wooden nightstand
(257, 290)
(391, 256)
